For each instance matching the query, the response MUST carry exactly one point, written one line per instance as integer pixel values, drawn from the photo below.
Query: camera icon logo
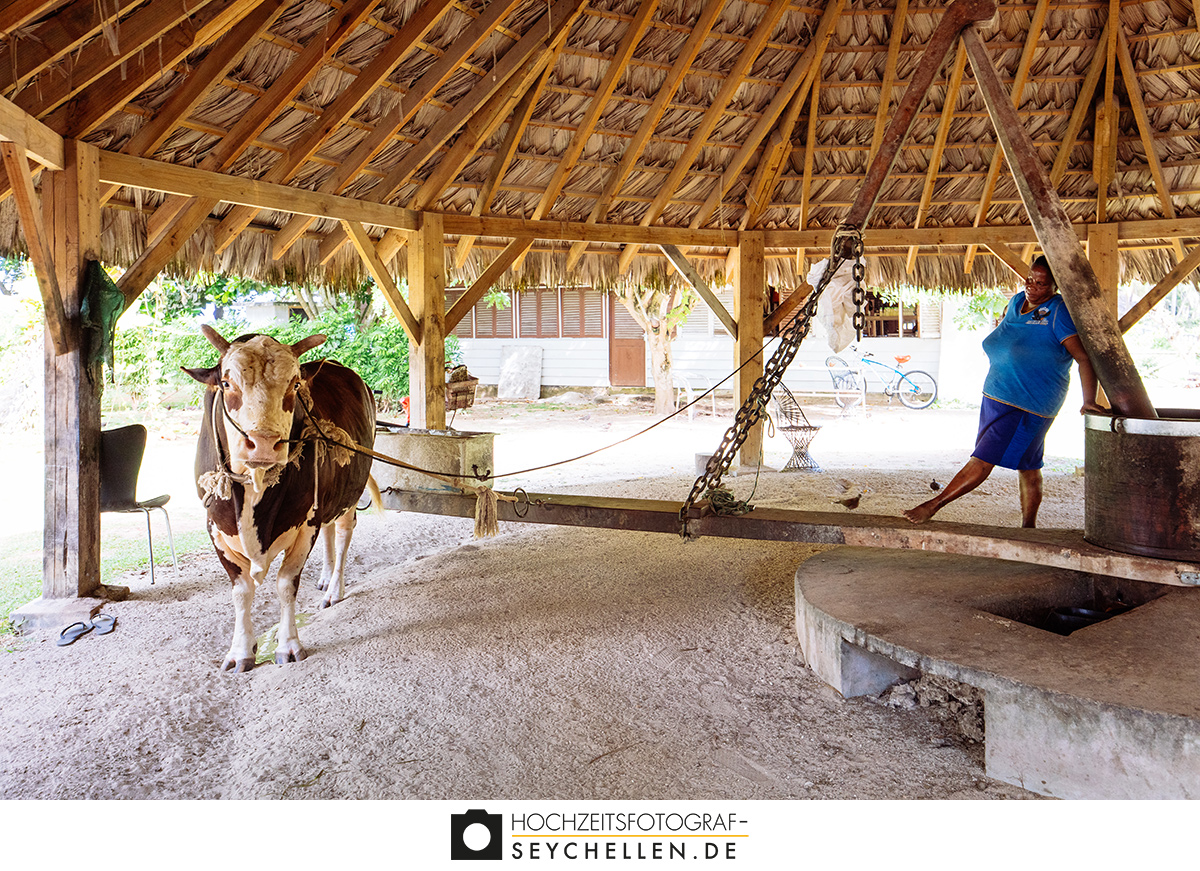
(476, 835)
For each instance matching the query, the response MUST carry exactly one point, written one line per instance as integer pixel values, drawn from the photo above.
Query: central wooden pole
(427, 301)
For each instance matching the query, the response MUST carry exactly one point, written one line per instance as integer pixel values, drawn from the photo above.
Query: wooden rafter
(1104, 151)
(810, 148)
(55, 38)
(1182, 270)
(224, 55)
(398, 116)
(17, 13)
(889, 76)
(484, 282)
(633, 151)
(500, 162)
(1009, 258)
(36, 140)
(28, 209)
(939, 146)
(596, 106)
(1145, 130)
(712, 114)
(337, 112)
(790, 97)
(517, 61)
(1036, 24)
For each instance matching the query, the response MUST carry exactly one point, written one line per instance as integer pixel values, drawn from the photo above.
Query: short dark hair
(1042, 261)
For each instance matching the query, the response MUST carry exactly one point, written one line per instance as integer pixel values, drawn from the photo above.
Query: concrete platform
(1109, 711)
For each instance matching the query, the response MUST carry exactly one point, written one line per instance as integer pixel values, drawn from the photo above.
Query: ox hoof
(323, 584)
(327, 602)
(291, 654)
(237, 665)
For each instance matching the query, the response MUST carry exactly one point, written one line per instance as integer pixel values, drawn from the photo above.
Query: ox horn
(218, 341)
(308, 344)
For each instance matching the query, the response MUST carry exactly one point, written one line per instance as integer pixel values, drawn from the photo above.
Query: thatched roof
(704, 120)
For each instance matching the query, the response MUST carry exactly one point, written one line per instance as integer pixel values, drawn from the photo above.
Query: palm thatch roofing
(720, 116)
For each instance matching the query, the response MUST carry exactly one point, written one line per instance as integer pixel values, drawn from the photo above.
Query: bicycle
(916, 388)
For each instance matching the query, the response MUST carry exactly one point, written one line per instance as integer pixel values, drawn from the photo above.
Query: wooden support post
(71, 547)
(1102, 254)
(427, 300)
(748, 310)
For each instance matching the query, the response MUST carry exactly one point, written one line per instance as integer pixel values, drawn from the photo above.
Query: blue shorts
(1009, 436)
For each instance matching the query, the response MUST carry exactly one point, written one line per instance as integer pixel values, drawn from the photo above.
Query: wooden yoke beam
(427, 299)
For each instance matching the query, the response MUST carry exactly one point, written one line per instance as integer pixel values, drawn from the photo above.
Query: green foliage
(12, 269)
(982, 309)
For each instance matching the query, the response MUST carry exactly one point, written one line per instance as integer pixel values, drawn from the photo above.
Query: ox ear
(216, 339)
(313, 341)
(205, 376)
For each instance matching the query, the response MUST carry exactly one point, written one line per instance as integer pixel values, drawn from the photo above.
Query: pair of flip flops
(103, 624)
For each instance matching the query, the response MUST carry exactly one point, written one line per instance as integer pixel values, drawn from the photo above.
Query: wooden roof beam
(889, 76)
(939, 146)
(1145, 130)
(336, 113)
(18, 13)
(216, 64)
(810, 150)
(698, 284)
(383, 279)
(791, 93)
(535, 43)
(34, 138)
(53, 39)
(716, 108)
(1036, 24)
(709, 13)
(1183, 269)
(398, 116)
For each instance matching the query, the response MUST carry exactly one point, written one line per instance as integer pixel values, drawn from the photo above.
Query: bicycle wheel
(847, 392)
(917, 389)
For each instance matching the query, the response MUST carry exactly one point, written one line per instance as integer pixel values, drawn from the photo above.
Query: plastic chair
(796, 429)
(121, 452)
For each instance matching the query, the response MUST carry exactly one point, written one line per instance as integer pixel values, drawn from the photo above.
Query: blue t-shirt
(1030, 367)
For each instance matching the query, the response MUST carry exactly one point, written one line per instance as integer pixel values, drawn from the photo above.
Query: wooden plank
(337, 112)
(709, 12)
(464, 44)
(427, 300)
(1182, 270)
(810, 150)
(1058, 548)
(383, 278)
(1010, 258)
(29, 211)
(939, 147)
(783, 312)
(748, 347)
(38, 141)
(1104, 152)
(17, 13)
(1077, 282)
(484, 282)
(698, 284)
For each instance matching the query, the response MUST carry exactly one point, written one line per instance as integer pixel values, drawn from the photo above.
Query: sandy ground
(546, 663)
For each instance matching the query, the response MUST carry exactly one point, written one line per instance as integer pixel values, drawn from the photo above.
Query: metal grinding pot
(1142, 486)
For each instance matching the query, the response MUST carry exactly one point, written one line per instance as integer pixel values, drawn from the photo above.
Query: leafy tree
(12, 269)
(659, 304)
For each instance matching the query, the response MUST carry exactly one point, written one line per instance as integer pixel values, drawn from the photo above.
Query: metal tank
(1142, 486)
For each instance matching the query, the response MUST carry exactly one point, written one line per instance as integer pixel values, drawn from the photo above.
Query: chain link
(846, 240)
(860, 293)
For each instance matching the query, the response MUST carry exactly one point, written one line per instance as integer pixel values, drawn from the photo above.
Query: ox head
(258, 379)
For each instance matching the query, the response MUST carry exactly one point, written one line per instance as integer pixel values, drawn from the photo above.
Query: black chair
(121, 452)
(790, 420)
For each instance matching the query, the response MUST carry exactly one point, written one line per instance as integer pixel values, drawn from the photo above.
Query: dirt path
(543, 663)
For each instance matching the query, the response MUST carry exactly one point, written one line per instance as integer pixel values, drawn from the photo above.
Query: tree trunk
(660, 366)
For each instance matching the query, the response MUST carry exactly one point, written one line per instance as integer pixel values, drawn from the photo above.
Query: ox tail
(376, 497)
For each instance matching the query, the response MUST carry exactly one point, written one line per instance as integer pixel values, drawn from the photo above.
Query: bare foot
(921, 513)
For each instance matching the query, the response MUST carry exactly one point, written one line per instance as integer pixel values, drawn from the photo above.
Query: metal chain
(860, 293)
(755, 406)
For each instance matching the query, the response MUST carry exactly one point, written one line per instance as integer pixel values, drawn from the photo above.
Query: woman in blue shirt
(1030, 353)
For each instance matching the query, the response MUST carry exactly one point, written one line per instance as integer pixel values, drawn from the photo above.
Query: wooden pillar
(71, 546)
(427, 300)
(748, 311)
(1102, 254)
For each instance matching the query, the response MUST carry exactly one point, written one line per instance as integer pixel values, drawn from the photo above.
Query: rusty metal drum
(1142, 486)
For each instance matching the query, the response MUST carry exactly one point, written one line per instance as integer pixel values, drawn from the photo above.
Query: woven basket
(461, 394)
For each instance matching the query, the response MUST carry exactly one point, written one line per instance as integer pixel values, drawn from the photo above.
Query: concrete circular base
(1109, 711)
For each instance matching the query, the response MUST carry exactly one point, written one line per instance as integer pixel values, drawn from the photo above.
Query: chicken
(852, 494)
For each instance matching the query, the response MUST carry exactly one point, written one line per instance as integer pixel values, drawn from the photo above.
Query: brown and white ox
(270, 481)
